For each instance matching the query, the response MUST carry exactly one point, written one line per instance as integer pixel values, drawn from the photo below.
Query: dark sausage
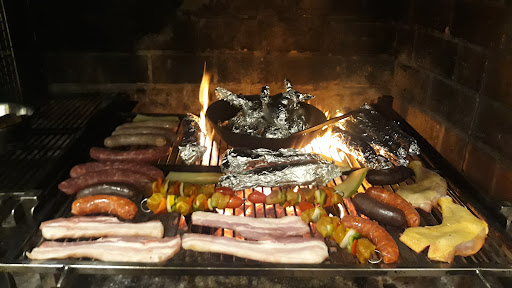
(134, 140)
(395, 200)
(389, 176)
(376, 234)
(73, 185)
(141, 155)
(146, 169)
(125, 190)
(167, 133)
(151, 123)
(115, 205)
(378, 211)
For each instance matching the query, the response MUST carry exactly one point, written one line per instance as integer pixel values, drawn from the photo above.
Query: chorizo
(73, 185)
(141, 155)
(376, 234)
(392, 199)
(115, 205)
(146, 169)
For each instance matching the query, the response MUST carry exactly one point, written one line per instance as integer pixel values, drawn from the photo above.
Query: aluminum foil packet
(360, 149)
(267, 168)
(190, 146)
(276, 116)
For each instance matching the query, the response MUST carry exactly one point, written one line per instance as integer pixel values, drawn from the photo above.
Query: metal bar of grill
(495, 257)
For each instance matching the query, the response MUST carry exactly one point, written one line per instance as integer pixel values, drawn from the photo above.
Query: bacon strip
(99, 226)
(253, 228)
(111, 249)
(284, 250)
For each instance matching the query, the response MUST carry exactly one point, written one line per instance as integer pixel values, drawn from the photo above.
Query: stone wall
(453, 83)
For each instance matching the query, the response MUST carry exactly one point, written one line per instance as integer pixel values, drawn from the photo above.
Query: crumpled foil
(276, 116)
(360, 149)
(236, 159)
(267, 168)
(190, 147)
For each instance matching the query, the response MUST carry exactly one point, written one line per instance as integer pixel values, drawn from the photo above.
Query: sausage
(389, 176)
(115, 205)
(140, 155)
(376, 234)
(392, 199)
(167, 133)
(135, 139)
(151, 123)
(125, 190)
(151, 171)
(378, 211)
(73, 185)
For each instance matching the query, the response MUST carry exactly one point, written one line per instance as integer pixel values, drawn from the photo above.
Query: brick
(481, 23)
(369, 70)
(345, 38)
(96, 68)
(411, 84)
(453, 147)
(470, 67)
(178, 68)
(479, 167)
(435, 54)
(498, 84)
(493, 127)
(404, 43)
(427, 126)
(433, 14)
(502, 183)
(455, 106)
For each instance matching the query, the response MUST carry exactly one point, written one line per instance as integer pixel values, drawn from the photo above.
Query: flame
(205, 139)
(326, 145)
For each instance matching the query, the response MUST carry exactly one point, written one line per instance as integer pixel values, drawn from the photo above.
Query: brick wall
(453, 83)
(447, 62)
(337, 50)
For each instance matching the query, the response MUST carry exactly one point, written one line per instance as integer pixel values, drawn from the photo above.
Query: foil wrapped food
(267, 168)
(276, 116)
(360, 149)
(384, 136)
(190, 146)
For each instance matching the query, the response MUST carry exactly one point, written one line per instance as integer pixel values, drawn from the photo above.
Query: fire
(327, 146)
(203, 99)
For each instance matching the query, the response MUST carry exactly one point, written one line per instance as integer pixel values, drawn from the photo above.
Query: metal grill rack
(494, 259)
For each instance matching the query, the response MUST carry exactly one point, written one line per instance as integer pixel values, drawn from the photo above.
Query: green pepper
(351, 240)
(282, 197)
(320, 197)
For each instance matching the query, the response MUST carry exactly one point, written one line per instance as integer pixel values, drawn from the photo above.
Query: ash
(276, 116)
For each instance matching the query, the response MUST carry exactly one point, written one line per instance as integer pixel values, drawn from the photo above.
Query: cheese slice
(427, 190)
(460, 233)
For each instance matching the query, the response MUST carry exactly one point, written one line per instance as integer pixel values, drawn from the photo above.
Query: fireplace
(447, 63)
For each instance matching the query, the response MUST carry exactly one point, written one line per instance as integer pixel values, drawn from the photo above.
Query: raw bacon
(129, 249)
(253, 228)
(283, 250)
(99, 226)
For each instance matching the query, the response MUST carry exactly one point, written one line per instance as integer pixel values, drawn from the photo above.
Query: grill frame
(497, 250)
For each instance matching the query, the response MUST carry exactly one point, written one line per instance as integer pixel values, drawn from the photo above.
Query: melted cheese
(459, 227)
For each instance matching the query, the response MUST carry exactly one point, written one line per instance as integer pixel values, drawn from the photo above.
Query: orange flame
(205, 139)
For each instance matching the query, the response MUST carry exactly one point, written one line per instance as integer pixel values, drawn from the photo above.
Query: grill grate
(494, 258)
